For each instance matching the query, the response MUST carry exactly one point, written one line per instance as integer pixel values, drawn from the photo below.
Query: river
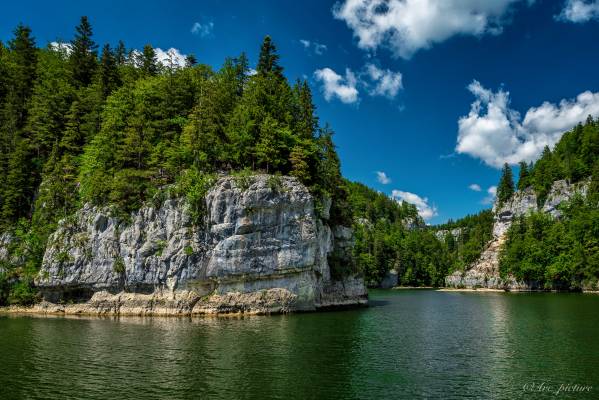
(407, 344)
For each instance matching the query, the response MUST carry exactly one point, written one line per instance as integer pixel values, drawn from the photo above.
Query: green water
(408, 344)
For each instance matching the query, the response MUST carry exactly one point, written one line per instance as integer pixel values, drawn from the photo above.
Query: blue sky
(436, 94)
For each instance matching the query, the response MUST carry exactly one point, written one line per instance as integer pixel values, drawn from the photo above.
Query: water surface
(407, 344)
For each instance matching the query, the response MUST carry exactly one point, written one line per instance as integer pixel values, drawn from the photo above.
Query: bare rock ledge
(262, 250)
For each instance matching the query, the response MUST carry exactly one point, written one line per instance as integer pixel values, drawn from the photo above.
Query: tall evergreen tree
(242, 68)
(307, 120)
(22, 73)
(505, 189)
(268, 61)
(84, 54)
(109, 78)
(120, 54)
(190, 60)
(149, 63)
(523, 178)
(19, 185)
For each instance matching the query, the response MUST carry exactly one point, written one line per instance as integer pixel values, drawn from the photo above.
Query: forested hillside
(560, 253)
(391, 235)
(116, 127)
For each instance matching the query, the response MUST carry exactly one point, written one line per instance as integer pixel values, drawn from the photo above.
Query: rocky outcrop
(390, 280)
(262, 249)
(441, 234)
(5, 242)
(484, 273)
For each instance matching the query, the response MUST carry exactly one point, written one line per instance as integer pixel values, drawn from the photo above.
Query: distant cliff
(484, 272)
(262, 250)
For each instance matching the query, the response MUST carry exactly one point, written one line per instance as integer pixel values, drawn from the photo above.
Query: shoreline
(86, 310)
(490, 290)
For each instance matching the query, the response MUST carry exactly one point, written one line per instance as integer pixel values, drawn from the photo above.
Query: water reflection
(412, 344)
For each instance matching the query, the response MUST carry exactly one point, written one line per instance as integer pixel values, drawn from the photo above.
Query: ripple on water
(410, 344)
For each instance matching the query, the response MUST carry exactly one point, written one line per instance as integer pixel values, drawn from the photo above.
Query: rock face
(456, 233)
(5, 241)
(390, 280)
(262, 250)
(484, 273)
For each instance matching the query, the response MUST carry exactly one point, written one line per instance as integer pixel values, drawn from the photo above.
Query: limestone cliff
(484, 273)
(262, 249)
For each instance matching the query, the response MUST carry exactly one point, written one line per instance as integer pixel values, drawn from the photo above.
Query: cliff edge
(262, 249)
(484, 273)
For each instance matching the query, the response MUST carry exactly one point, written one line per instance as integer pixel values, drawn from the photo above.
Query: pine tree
(505, 189)
(268, 61)
(242, 68)
(190, 60)
(22, 72)
(109, 78)
(149, 64)
(589, 149)
(84, 54)
(300, 163)
(523, 181)
(19, 185)
(120, 55)
(307, 120)
(19, 62)
(49, 106)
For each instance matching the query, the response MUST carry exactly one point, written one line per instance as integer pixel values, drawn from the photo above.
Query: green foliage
(63, 257)
(474, 232)
(23, 293)
(381, 227)
(119, 265)
(243, 178)
(160, 246)
(556, 253)
(268, 61)
(573, 159)
(391, 235)
(275, 183)
(194, 185)
(122, 130)
(524, 176)
(83, 58)
(560, 253)
(505, 189)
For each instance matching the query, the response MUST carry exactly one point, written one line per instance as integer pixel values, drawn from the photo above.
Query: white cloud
(377, 82)
(317, 48)
(406, 26)
(335, 85)
(579, 11)
(170, 58)
(497, 134)
(382, 178)
(61, 47)
(425, 210)
(475, 187)
(491, 193)
(386, 82)
(320, 48)
(202, 29)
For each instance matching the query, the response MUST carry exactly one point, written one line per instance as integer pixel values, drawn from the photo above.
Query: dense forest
(116, 127)
(558, 253)
(391, 235)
